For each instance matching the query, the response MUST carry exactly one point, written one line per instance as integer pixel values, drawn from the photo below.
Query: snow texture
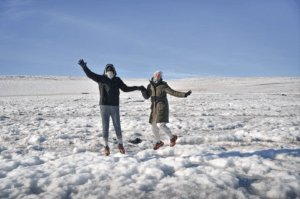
(237, 138)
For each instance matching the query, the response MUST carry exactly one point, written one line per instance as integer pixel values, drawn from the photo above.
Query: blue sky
(184, 39)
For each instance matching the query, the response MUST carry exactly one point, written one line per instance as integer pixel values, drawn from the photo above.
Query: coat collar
(155, 84)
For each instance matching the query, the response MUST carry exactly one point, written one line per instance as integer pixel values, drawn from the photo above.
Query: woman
(157, 90)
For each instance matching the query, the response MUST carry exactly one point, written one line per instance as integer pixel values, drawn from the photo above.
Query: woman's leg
(115, 115)
(105, 114)
(164, 128)
(155, 131)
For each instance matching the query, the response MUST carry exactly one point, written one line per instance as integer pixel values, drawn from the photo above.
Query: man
(157, 90)
(109, 85)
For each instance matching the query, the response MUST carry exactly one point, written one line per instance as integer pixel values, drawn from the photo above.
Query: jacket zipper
(154, 94)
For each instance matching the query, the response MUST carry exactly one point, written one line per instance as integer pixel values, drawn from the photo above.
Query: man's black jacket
(109, 88)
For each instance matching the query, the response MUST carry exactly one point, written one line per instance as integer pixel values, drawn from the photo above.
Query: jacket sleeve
(126, 88)
(172, 92)
(146, 93)
(94, 76)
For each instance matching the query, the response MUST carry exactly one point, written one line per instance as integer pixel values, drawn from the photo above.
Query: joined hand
(142, 88)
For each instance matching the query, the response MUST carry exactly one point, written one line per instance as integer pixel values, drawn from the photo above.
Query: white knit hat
(160, 72)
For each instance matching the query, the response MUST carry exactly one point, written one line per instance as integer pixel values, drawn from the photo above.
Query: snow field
(231, 145)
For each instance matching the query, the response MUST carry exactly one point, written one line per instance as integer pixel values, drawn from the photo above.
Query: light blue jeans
(114, 113)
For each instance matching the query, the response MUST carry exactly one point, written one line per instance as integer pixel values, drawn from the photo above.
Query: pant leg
(155, 131)
(105, 115)
(164, 128)
(115, 115)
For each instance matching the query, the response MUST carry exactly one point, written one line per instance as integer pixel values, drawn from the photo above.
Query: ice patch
(3, 117)
(2, 149)
(271, 153)
(66, 136)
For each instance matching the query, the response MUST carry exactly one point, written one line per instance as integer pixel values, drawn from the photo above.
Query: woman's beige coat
(160, 106)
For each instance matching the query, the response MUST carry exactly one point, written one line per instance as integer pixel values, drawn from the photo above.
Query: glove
(188, 93)
(142, 88)
(82, 63)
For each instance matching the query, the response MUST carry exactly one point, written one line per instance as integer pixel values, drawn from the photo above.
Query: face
(157, 76)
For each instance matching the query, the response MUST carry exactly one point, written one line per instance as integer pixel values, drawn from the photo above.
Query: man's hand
(82, 63)
(188, 93)
(142, 88)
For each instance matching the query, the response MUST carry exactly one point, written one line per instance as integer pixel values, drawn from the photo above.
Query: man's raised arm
(90, 74)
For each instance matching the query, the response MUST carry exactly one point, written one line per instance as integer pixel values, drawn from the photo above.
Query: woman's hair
(160, 74)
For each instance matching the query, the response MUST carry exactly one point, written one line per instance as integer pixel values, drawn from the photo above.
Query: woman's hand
(188, 93)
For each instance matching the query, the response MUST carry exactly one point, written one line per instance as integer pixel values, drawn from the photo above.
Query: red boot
(121, 148)
(107, 152)
(173, 140)
(158, 144)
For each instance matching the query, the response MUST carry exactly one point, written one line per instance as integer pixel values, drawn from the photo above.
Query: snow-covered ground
(238, 138)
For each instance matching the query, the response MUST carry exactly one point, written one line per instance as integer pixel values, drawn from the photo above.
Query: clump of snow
(78, 150)
(35, 139)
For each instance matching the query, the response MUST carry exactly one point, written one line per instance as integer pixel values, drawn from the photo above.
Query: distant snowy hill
(54, 85)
